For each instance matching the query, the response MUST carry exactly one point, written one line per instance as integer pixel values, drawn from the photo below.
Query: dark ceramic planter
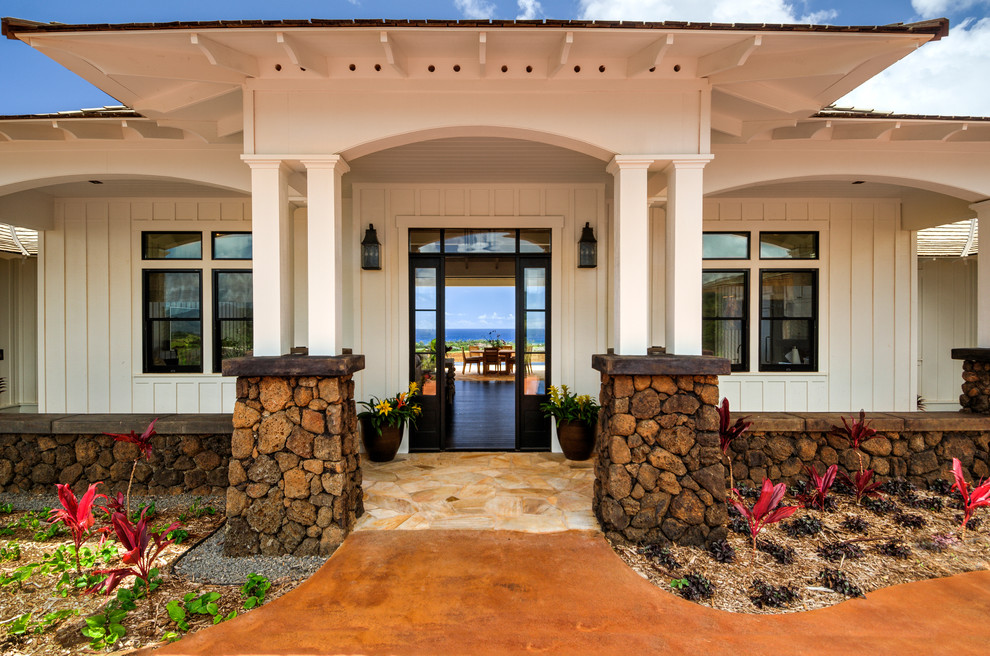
(381, 448)
(577, 439)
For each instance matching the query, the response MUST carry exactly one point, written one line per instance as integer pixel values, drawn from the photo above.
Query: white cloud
(529, 9)
(719, 11)
(475, 8)
(938, 8)
(945, 77)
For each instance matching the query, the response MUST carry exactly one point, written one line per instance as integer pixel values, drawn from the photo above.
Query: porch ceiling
(110, 188)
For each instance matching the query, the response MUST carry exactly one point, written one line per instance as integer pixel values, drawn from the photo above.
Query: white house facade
(222, 209)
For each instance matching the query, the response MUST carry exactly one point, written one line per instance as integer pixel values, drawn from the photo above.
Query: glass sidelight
(533, 322)
(426, 302)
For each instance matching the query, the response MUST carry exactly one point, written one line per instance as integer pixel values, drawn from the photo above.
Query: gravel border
(205, 562)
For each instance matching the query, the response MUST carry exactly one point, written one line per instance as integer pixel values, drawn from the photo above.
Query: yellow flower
(416, 409)
(413, 388)
(383, 408)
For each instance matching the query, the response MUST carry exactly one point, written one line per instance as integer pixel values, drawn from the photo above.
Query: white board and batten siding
(90, 333)
(579, 307)
(947, 298)
(867, 279)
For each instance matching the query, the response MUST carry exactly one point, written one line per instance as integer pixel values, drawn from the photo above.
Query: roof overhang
(191, 75)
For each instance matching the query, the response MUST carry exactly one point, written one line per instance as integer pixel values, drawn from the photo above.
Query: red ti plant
(144, 444)
(980, 496)
(816, 489)
(862, 484)
(76, 514)
(139, 552)
(856, 433)
(727, 432)
(765, 511)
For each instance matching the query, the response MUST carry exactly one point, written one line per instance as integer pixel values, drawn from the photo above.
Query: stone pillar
(272, 231)
(683, 256)
(325, 244)
(975, 395)
(659, 477)
(295, 470)
(631, 255)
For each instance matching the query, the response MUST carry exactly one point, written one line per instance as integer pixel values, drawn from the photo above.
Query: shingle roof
(844, 112)
(116, 111)
(938, 27)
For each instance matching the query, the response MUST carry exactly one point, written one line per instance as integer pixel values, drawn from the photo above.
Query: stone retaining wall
(975, 395)
(658, 477)
(295, 476)
(916, 446)
(37, 451)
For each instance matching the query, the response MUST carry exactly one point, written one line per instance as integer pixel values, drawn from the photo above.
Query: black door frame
(532, 429)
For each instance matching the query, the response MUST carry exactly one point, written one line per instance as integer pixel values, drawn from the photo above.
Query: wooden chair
(489, 358)
(509, 358)
(470, 357)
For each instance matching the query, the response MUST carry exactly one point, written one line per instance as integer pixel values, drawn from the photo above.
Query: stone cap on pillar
(294, 365)
(660, 365)
(976, 354)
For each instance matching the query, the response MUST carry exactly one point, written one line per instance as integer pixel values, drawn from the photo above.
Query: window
(233, 315)
(725, 300)
(173, 334)
(171, 245)
(788, 302)
(178, 335)
(232, 245)
(784, 301)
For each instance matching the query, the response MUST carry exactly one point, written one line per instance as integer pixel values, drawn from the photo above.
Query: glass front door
(479, 317)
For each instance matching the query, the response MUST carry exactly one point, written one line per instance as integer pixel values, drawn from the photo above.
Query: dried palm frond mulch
(892, 549)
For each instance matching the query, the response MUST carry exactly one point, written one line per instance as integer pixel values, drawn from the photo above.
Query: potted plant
(576, 418)
(383, 421)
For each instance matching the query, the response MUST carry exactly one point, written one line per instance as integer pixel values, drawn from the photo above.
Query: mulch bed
(145, 624)
(908, 539)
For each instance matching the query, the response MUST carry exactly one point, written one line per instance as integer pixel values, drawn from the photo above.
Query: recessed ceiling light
(95, 182)
(859, 181)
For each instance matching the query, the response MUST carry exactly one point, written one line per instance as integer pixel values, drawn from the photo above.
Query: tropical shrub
(817, 487)
(862, 484)
(971, 500)
(765, 511)
(76, 514)
(139, 552)
(143, 442)
(855, 433)
(565, 406)
(393, 411)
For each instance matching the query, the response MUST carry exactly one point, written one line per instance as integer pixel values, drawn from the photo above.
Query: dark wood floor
(483, 416)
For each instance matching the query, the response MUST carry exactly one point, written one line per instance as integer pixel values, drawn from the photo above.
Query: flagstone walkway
(534, 492)
(506, 592)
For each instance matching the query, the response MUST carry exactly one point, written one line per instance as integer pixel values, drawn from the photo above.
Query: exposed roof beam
(149, 130)
(871, 130)
(772, 96)
(649, 57)
(224, 56)
(727, 124)
(302, 55)
(559, 59)
(91, 129)
(752, 130)
(482, 52)
(959, 129)
(916, 132)
(32, 132)
(393, 54)
(729, 57)
(806, 130)
(180, 96)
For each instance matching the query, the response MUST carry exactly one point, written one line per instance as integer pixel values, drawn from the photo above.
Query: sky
(948, 77)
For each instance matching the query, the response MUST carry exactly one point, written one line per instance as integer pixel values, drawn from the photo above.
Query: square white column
(982, 210)
(630, 255)
(271, 232)
(324, 273)
(685, 193)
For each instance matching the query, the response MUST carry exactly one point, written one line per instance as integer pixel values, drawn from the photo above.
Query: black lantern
(371, 250)
(587, 248)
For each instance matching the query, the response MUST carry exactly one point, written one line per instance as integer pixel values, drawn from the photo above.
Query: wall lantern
(587, 248)
(371, 250)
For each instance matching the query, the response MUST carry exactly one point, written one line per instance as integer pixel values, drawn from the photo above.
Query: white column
(982, 210)
(683, 274)
(630, 255)
(324, 281)
(272, 237)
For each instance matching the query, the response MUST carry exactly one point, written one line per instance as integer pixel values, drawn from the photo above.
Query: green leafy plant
(196, 510)
(393, 411)
(6, 508)
(254, 590)
(105, 629)
(49, 532)
(694, 587)
(144, 510)
(10, 552)
(565, 406)
(23, 624)
(191, 604)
